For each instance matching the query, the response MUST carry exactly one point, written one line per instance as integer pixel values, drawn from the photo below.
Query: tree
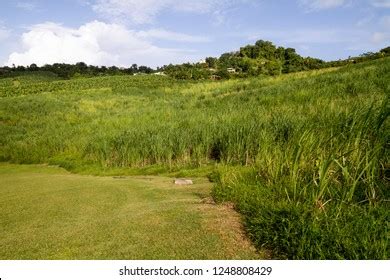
(33, 67)
(211, 62)
(134, 68)
(265, 49)
(385, 51)
(145, 69)
(293, 61)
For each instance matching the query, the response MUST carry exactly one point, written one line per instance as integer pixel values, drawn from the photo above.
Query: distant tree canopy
(385, 51)
(261, 59)
(79, 69)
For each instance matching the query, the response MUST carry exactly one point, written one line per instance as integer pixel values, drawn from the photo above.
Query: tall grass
(305, 157)
(324, 196)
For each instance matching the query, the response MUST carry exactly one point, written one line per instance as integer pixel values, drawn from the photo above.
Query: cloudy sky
(158, 32)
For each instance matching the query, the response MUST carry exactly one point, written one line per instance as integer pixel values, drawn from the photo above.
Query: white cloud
(94, 43)
(381, 3)
(28, 6)
(316, 5)
(172, 36)
(145, 11)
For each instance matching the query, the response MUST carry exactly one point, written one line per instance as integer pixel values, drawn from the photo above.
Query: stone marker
(183, 182)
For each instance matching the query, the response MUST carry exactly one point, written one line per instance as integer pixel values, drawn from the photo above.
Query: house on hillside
(231, 70)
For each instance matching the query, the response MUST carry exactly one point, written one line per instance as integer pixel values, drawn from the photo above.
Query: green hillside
(304, 157)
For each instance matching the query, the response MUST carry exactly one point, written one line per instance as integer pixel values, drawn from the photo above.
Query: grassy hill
(304, 157)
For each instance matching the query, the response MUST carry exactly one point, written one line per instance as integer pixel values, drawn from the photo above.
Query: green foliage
(34, 84)
(324, 195)
(261, 59)
(304, 156)
(385, 51)
(68, 71)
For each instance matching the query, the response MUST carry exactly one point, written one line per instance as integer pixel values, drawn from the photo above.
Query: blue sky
(158, 32)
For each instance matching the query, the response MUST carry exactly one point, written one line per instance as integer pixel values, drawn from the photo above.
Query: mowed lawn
(48, 213)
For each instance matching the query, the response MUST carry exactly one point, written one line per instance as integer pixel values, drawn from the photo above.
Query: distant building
(159, 74)
(202, 61)
(231, 70)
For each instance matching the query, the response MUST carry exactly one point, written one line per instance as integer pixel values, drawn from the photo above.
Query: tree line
(261, 59)
(67, 71)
